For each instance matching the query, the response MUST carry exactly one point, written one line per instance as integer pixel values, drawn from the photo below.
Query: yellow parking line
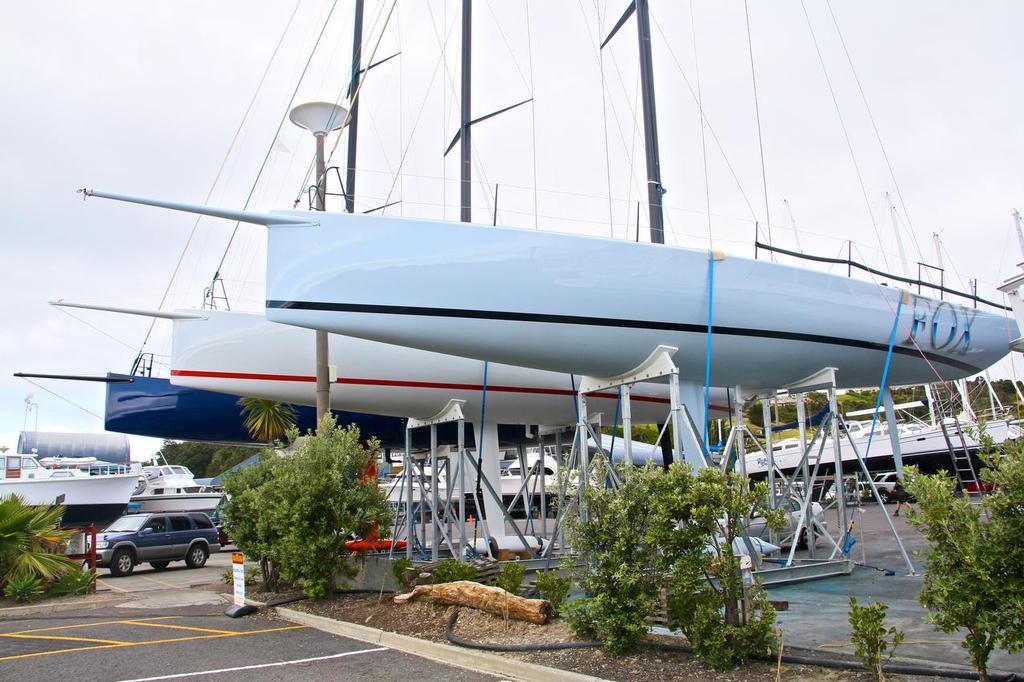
(61, 638)
(121, 645)
(112, 587)
(157, 581)
(89, 625)
(179, 627)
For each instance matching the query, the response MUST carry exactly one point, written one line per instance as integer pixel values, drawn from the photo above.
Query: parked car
(157, 538)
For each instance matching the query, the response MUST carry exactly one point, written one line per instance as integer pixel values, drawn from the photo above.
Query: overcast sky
(145, 99)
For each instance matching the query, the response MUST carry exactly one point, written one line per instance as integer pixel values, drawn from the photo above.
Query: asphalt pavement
(157, 640)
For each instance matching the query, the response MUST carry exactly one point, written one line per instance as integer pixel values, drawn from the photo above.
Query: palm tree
(267, 420)
(29, 537)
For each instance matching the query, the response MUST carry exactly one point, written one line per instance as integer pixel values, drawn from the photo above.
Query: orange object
(373, 545)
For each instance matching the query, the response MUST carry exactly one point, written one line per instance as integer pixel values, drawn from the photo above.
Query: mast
(654, 187)
(466, 190)
(353, 117)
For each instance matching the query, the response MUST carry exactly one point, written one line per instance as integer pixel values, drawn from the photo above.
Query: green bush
(699, 519)
(73, 582)
(870, 638)
(451, 570)
(553, 587)
(616, 559)
(512, 574)
(23, 587)
(672, 530)
(293, 514)
(398, 567)
(974, 570)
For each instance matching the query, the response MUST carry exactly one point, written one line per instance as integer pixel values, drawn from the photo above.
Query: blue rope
(885, 374)
(707, 352)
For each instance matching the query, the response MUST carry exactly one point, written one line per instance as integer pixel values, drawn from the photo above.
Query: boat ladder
(963, 467)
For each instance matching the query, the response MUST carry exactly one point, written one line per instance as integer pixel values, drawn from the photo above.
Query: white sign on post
(238, 575)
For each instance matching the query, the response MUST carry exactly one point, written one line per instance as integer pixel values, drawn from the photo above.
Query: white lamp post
(320, 118)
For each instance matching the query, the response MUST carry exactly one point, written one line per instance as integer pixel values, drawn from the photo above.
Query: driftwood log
(484, 597)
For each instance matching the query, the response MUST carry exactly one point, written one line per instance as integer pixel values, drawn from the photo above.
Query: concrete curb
(470, 659)
(86, 602)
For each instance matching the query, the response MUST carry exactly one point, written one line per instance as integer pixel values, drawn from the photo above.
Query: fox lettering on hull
(940, 325)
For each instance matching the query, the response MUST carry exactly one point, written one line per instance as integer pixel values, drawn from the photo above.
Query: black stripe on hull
(614, 322)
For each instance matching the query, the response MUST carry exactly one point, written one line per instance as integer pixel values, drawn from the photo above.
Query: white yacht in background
(87, 500)
(173, 488)
(921, 444)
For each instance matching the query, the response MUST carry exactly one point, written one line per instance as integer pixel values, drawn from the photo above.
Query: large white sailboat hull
(244, 354)
(597, 306)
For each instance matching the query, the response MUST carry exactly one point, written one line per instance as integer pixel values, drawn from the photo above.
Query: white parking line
(261, 665)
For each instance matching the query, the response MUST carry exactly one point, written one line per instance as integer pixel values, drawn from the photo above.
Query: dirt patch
(426, 620)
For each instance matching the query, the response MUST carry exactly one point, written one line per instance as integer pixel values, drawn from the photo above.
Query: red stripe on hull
(353, 381)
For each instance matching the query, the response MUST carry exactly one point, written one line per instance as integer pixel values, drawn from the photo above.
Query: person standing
(899, 493)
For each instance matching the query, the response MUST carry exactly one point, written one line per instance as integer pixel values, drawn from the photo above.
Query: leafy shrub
(512, 574)
(23, 587)
(674, 530)
(451, 570)
(293, 514)
(700, 518)
(73, 582)
(974, 571)
(398, 567)
(869, 636)
(616, 559)
(553, 587)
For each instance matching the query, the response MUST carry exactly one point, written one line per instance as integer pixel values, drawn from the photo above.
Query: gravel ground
(426, 620)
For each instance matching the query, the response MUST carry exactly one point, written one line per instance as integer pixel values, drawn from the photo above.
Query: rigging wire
(533, 112)
(757, 116)
(846, 134)
(878, 135)
(216, 179)
(703, 142)
(604, 121)
(398, 175)
(710, 128)
(67, 400)
(628, 148)
(101, 331)
(280, 124)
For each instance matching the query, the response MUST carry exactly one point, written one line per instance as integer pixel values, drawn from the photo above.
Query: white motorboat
(87, 500)
(172, 488)
(921, 444)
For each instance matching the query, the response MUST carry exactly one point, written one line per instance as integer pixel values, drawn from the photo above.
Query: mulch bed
(423, 619)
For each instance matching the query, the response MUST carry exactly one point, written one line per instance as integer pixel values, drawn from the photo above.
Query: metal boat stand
(443, 517)
(658, 365)
(414, 473)
(801, 484)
